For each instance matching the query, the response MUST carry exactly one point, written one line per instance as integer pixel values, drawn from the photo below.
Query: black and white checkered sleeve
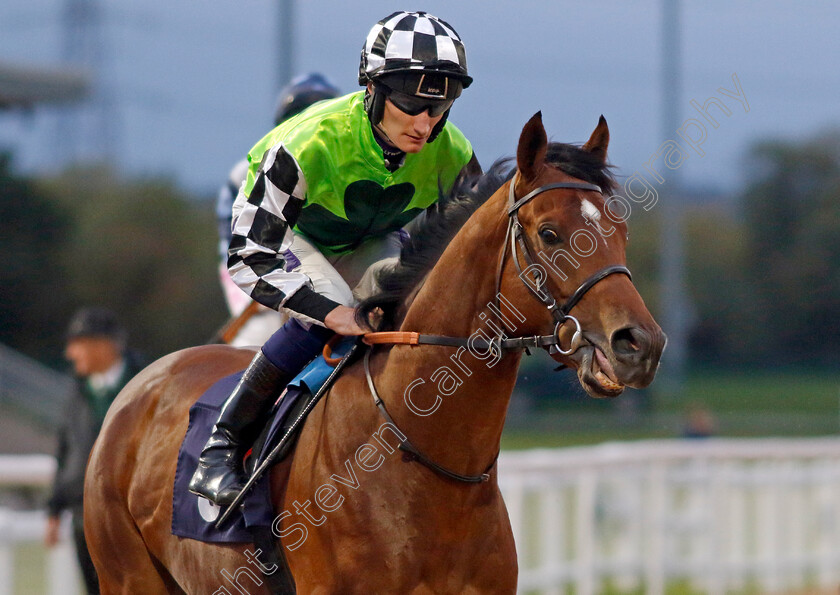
(262, 230)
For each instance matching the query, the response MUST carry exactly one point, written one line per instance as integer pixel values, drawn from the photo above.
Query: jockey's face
(407, 133)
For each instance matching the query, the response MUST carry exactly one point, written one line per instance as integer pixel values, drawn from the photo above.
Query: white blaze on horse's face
(589, 211)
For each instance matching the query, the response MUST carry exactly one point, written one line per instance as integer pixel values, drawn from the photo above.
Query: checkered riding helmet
(413, 53)
(414, 42)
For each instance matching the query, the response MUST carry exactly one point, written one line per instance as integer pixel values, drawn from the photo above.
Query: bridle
(516, 234)
(515, 238)
(560, 314)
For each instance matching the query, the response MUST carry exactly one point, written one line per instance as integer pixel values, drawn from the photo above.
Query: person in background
(324, 205)
(699, 422)
(299, 94)
(96, 348)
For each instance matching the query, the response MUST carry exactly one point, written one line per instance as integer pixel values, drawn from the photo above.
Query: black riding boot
(219, 476)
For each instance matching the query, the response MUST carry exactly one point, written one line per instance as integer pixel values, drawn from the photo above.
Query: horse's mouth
(596, 373)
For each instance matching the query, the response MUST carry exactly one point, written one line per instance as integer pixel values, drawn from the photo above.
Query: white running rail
(718, 515)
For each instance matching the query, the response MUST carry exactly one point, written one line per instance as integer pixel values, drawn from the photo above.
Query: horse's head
(569, 275)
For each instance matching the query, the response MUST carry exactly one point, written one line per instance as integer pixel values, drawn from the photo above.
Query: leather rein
(517, 241)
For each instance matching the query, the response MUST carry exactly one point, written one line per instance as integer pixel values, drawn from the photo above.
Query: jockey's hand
(342, 320)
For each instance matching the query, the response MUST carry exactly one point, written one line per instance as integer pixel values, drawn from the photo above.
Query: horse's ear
(533, 142)
(597, 143)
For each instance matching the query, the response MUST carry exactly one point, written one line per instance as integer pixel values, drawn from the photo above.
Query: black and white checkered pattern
(411, 41)
(262, 230)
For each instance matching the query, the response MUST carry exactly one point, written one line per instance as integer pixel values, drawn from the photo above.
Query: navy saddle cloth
(194, 517)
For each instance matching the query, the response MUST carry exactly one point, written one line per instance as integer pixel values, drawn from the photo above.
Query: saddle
(196, 518)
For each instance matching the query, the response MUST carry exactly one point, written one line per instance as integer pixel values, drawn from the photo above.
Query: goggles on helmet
(414, 106)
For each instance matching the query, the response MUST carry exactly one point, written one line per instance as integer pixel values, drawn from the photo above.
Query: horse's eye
(549, 236)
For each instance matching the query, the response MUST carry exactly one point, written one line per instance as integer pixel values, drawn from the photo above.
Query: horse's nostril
(630, 341)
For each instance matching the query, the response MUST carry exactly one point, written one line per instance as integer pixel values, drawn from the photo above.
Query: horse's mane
(439, 224)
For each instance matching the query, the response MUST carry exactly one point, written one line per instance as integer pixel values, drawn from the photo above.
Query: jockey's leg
(220, 476)
(259, 328)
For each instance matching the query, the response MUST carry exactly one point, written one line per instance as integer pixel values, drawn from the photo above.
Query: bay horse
(354, 515)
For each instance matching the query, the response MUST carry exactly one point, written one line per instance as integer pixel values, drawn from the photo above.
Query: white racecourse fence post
(718, 515)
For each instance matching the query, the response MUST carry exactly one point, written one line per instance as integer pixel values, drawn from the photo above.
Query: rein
(411, 338)
(559, 313)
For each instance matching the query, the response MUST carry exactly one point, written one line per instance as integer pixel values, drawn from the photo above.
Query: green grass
(30, 563)
(748, 403)
(30, 567)
(775, 391)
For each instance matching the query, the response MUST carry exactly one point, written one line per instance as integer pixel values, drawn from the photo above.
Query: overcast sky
(196, 82)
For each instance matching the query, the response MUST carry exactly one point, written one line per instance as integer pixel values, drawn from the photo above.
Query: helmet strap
(439, 126)
(375, 105)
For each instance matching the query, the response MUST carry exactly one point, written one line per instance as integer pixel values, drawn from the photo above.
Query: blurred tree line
(87, 237)
(764, 276)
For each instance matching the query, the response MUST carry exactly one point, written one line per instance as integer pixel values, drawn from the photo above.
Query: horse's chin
(595, 372)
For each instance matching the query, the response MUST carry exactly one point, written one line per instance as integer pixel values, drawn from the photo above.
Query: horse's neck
(464, 430)
(461, 285)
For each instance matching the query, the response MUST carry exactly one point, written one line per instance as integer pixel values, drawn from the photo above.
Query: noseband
(516, 235)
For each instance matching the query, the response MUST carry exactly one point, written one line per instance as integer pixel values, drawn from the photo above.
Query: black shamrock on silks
(371, 211)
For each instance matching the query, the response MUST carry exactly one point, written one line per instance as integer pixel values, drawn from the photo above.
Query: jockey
(326, 197)
(299, 94)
